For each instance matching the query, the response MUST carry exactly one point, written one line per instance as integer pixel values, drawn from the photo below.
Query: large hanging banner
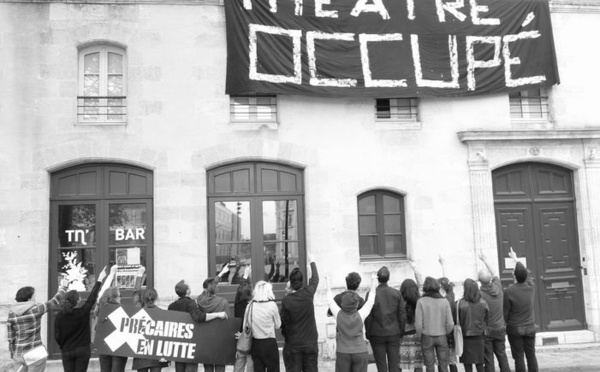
(172, 335)
(388, 48)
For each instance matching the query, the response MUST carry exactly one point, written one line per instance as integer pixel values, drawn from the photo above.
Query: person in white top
(264, 318)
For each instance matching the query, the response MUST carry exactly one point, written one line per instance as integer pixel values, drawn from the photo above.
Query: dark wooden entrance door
(535, 215)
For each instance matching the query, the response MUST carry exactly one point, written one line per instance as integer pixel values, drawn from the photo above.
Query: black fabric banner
(388, 48)
(172, 335)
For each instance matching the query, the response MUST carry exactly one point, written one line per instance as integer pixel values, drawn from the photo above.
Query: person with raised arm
(352, 353)
(495, 336)
(519, 316)
(72, 328)
(298, 325)
(24, 325)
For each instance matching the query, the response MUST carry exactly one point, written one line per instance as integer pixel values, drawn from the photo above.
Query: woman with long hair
(411, 355)
(264, 318)
(447, 290)
(150, 296)
(72, 328)
(433, 321)
(473, 318)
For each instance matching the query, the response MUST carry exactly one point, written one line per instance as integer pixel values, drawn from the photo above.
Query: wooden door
(535, 215)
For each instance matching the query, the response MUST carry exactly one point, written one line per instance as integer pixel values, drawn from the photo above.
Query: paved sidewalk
(561, 358)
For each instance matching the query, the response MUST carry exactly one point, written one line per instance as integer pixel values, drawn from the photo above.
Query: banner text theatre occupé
(388, 48)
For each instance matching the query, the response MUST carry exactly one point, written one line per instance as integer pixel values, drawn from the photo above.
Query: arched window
(256, 218)
(381, 225)
(102, 90)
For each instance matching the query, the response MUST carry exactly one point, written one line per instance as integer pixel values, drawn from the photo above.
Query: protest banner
(388, 48)
(172, 335)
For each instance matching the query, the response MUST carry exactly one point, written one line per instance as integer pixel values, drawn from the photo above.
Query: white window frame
(525, 104)
(399, 118)
(104, 118)
(249, 122)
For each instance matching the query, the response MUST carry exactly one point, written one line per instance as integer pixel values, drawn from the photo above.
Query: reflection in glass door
(280, 239)
(127, 243)
(76, 256)
(232, 236)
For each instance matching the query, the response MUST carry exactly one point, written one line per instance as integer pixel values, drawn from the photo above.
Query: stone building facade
(464, 176)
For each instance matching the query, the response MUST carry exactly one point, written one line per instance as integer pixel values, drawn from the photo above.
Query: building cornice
(525, 135)
(556, 6)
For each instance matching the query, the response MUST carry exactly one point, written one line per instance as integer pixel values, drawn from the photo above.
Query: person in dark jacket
(209, 303)
(148, 302)
(187, 305)
(385, 324)
(495, 336)
(519, 316)
(298, 325)
(72, 328)
(473, 318)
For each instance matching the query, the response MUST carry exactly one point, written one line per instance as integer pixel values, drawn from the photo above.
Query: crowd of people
(405, 329)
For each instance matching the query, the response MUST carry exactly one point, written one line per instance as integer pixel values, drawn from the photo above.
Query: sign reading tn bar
(388, 48)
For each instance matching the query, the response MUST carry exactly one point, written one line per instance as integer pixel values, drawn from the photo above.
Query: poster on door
(128, 266)
(155, 333)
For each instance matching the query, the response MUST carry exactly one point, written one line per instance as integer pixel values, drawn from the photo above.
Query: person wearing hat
(385, 324)
(495, 337)
(351, 353)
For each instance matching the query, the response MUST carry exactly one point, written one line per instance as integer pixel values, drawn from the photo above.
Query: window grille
(529, 105)
(396, 109)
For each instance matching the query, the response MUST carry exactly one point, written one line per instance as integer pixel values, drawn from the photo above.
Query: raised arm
(91, 300)
(366, 309)
(313, 282)
(489, 267)
(108, 281)
(442, 261)
(333, 306)
(418, 276)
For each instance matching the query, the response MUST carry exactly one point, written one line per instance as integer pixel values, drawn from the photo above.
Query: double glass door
(257, 234)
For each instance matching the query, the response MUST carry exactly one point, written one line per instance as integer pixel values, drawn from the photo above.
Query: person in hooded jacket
(208, 302)
(495, 337)
(351, 352)
(24, 325)
(72, 328)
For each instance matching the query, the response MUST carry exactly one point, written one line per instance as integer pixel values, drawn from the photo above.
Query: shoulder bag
(35, 355)
(458, 335)
(244, 343)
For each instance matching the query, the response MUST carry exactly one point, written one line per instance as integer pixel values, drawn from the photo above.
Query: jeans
(351, 362)
(243, 361)
(439, 345)
(186, 367)
(386, 351)
(495, 344)
(112, 363)
(76, 360)
(522, 345)
(301, 358)
(265, 355)
(214, 368)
